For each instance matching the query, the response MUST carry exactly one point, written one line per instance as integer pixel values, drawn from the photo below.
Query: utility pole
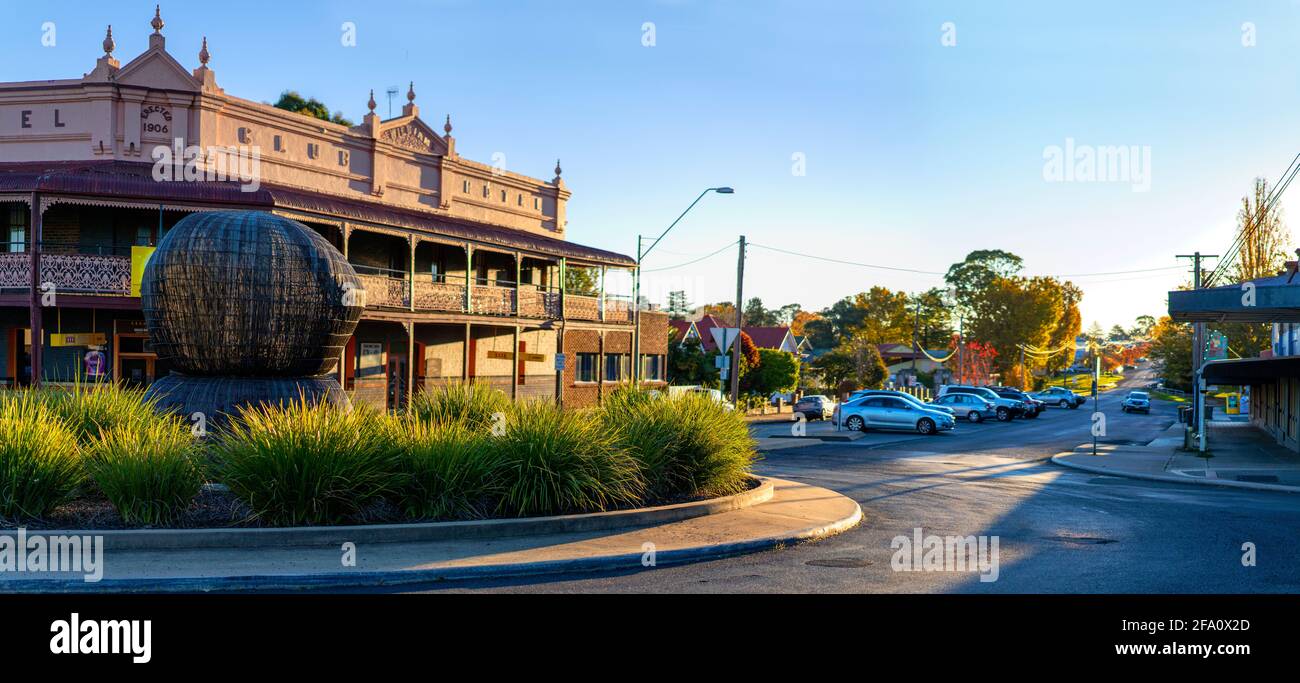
(1198, 354)
(916, 328)
(740, 318)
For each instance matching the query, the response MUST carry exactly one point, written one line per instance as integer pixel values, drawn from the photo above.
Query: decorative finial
(447, 126)
(557, 168)
(410, 92)
(203, 52)
(157, 22)
(371, 103)
(108, 41)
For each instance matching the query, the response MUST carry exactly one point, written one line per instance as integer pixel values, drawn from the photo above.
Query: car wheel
(1004, 415)
(974, 416)
(1074, 406)
(1032, 415)
(856, 424)
(1060, 403)
(925, 426)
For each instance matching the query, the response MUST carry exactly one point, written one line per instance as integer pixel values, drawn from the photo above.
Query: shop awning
(1251, 370)
(1275, 300)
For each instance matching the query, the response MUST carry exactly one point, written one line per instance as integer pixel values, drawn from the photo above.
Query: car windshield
(1140, 395)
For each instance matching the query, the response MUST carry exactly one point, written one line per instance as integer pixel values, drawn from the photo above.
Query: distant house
(710, 332)
(683, 331)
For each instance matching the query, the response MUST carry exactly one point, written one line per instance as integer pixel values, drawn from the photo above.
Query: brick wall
(585, 394)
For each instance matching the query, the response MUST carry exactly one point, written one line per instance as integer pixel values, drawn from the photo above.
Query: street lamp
(636, 283)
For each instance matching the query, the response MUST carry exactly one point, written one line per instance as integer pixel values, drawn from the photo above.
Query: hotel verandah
(464, 264)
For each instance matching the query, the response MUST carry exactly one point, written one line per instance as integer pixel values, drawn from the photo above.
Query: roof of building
(1269, 299)
(764, 337)
(134, 181)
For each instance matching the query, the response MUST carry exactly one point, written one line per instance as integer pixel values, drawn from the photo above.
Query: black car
(1033, 406)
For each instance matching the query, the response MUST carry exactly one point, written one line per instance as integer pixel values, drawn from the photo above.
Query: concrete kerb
(1060, 459)
(149, 539)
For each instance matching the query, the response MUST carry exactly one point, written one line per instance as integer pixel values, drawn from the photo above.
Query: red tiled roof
(134, 181)
(767, 337)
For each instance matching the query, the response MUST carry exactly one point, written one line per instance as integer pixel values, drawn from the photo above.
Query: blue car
(1137, 402)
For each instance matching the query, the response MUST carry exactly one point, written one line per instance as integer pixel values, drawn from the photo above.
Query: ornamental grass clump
(40, 459)
(91, 408)
(150, 471)
(686, 445)
(469, 404)
(305, 462)
(444, 470)
(562, 461)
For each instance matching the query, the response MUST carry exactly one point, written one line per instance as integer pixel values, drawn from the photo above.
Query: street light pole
(636, 283)
(735, 352)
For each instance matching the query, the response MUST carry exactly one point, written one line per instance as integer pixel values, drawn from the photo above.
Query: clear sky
(915, 152)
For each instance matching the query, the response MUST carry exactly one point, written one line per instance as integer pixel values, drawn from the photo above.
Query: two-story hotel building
(467, 272)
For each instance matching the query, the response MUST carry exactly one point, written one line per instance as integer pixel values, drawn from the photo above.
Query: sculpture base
(220, 398)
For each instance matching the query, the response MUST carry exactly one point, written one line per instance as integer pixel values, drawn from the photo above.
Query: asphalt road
(1058, 530)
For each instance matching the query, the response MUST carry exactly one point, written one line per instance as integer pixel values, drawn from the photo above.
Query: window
(313, 150)
(585, 371)
(464, 186)
(143, 236)
(616, 366)
(537, 204)
(503, 196)
(279, 146)
(343, 157)
(521, 200)
(16, 229)
(486, 191)
(652, 368)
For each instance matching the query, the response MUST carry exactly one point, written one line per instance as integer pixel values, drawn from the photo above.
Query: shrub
(471, 405)
(685, 445)
(40, 460)
(91, 408)
(304, 462)
(150, 470)
(443, 470)
(558, 462)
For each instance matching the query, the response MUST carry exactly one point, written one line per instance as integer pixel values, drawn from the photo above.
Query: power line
(931, 272)
(1270, 200)
(692, 262)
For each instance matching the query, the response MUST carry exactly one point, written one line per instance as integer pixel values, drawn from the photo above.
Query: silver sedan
(967, 406)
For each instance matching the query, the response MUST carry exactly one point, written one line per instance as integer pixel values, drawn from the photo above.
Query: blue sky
(916, 153)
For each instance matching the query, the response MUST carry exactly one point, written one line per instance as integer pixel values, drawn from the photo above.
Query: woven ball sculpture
(247, 307)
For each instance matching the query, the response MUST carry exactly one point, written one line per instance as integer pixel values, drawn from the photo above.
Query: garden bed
(100, 458)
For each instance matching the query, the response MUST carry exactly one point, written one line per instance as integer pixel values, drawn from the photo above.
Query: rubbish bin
(1183, 413)
(1209, 412)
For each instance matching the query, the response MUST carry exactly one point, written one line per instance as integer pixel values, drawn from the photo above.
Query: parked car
(1137, 402)
(892, 412)
(1033, 406)
(1060, 397)
(968, 406)
(815, 407)
(1006, 408)
(861, 393)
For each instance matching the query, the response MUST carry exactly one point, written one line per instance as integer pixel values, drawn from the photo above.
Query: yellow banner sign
(78, 339)
(139, 259)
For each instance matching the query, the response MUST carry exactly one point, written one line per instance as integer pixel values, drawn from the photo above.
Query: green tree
(776, 371)
(1171, 347)
(690, 364)
(678, 306)
(582, 281)
(977, 272)
(290, 100)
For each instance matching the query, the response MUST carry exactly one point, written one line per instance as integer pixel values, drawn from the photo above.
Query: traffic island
(774, 514)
